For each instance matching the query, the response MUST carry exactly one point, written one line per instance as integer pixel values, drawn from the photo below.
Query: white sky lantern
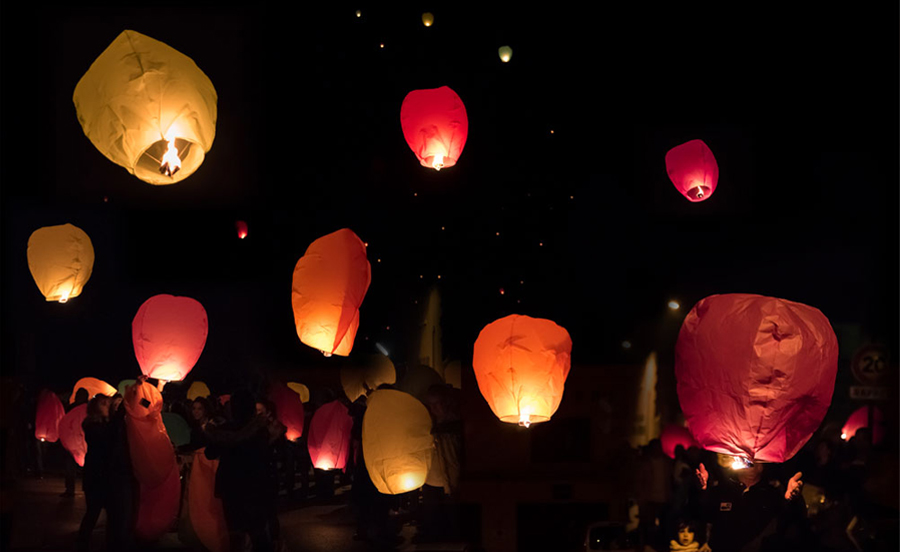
(148, 108)
(397, 441)
(505, 53)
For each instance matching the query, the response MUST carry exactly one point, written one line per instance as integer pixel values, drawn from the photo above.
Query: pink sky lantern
(169, 334)
(289, 409)
(71, 435)
(49, 412)
(435, 126)
(329, 436)
(755, 375)
(241, 229)
(860, 419)
(673, 435)
(693, 170)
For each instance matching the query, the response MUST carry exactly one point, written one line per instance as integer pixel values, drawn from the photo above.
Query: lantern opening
(326, 354)
(64, 298)
(698, 191)
(438, 161)
(525, 420)
(325, 465)
(171, 163)
(844, 436)
(42, 439)
(739, 463)
(167, 157)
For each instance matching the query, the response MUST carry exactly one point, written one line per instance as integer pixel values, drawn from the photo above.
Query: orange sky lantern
(755, 375)
(435, 126)
(329, 284)
(47, 417)
(61, 259)
(521, 364)
(693, 170)
(397, 441)
(94, 387)
(205, 510)
(169, 334)
(71, 435)
(148, 108)
(329, 436)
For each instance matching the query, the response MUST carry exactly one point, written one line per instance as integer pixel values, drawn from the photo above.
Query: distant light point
(626, 344)
(674, 305)
(359, 14)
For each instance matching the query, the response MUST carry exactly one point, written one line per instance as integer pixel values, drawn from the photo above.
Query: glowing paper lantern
(435, 126)
(205, 510)
(169, 334)
(71, 435)
(49, 412)
(329, 436)
(241, 229)
(60, 259)
(152, 455)
(693, 170)
(329, 284)
(301, 390)
(289, 409)
(860, 419)
(157, 506)
(521, 364)
(755, 375)
(123, 385)
(505, 53)
(197, 389)
(397, 441)
(673, 435)
(177, 428)
(427, 19)
(94, 387)
(147, 107)
(358, 380)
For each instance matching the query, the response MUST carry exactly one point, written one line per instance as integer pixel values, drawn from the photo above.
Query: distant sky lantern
(301, 390)
(860, 419)
(71, 435)
(673, 435)
(329, 284)
(521, 364)
(148, 108)
(169, 334)
(397, 441)
(289, 409)
(427, 19)
(435, 126)
(197, 389)
(61, 259)
(47, 417)
(329, 436)
(755, 375)
(366, 374)
(506, 55)
(241, 229)
(94, 387)
(693, 170)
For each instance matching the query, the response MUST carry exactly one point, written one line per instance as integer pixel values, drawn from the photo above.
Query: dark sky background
(799, 106)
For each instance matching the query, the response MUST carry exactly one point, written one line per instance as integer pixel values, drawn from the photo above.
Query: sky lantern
(169, 334)
(177, 428)
(204, 509)
(693, 170)
(755, 375)
(300, 389)
(521, 364)
(71, 435)
(397, 441)
(505, 53)
(329, 436)
(49, 412)
(149, 444)
(60, 259)
(198, 389)
(289, 409)
(860, 419)
(94, 387)
(427, 19)
(329, 284)
(241, 227)
(147, 107)
(366, 375)
(673, 435)
(435, 126)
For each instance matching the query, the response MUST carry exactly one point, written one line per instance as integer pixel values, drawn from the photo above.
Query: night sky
(566, 148)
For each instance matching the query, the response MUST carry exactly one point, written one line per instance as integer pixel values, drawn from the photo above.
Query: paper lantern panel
(301, 390)
(693, 170)
(674, 435)
(48, 415)
(397, 441)
(61, 259)
(152, 454)
(198, 389)
(435, 126)
(169, 334)
(71, 435)
(205, 510)
(329, 436)
(94, 387)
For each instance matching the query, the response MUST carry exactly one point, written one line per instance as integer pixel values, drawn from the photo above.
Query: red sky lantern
(49, 412)
(755, 375)
(289, 409)
(673, 435)
(435, 126)
(329, 284)
(521, 364)
(241, 229)
(329, 436)
(71, 435)
(860, 419)
(157, 507)
(94, 387)
(693, 170)
(169, 334)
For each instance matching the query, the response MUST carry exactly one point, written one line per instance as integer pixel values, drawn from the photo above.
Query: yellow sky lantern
(148, 107)
(301, 390)
(61, 259)
(427, 19)
(397, 441)
(198, 389)
(505, 53)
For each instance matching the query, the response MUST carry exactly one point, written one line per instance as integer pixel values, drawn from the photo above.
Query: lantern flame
(325, 465)
(42, 439)
(326, 354)
(525, 420)
(740, 463)
(64, 298)
(171, 163)
(438, 162)
(844, 436)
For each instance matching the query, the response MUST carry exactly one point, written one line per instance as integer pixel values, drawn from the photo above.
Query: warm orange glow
(171, 163)
(739, 463)
(427, 19)
(438, 162)
(64, 297)
(435, 126)
(60, 259)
